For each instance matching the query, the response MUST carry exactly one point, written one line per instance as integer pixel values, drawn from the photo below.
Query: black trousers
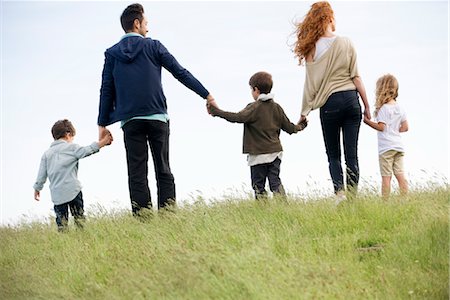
(76, 207)
(342, 113)
(270, 171)
(138, 136)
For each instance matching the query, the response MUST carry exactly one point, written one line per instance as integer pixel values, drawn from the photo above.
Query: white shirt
(392, 115)
(322, 45)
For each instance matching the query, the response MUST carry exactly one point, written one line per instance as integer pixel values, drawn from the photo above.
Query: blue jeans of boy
(270, 171)
(342, 113)
(76, 209)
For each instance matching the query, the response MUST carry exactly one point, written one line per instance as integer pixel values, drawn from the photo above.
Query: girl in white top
(390, 122)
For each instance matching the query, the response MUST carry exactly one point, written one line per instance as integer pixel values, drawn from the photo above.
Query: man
(131, 92)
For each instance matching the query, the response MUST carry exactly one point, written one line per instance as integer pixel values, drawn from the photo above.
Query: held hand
(366, 119)
(209, 98)
(302, 119)
(303, 124)
(367, 114)
(210, 102)
(102, 131)
(106, 139)
(37, 195)
(209, 106)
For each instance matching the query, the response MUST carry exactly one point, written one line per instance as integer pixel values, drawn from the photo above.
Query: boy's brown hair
(61, 128)
(262, 81)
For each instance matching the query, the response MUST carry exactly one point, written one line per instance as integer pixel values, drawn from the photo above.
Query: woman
(332, 84)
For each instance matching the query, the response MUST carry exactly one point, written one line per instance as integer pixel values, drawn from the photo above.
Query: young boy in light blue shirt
(60, 164)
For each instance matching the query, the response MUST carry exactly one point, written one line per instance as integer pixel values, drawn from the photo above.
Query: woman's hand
(367, 114)
(302, 119)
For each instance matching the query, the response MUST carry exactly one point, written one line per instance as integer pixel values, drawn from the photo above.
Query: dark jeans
(342, 112)
(76, 209)
(271, 171)
(138, 135)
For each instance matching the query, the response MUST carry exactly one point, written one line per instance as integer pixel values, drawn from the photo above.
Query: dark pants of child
(271, 171)
(76, 209)
(138, 135)
(342, 112)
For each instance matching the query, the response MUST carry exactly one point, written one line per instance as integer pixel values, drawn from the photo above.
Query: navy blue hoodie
(131, 80)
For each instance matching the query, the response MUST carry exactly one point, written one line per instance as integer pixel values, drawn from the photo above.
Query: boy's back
(262, 120)
(60, 164)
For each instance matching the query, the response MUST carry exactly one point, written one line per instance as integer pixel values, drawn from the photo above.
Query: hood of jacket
(128, 48)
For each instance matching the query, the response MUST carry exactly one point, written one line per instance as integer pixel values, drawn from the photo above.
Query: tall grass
(240, 249)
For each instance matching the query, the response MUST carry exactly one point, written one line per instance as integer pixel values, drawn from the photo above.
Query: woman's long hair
(386, 90)
(312, 28)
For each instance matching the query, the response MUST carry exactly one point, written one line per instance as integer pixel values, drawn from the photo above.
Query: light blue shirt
(131, 34)
(158, 117)
(60, 164)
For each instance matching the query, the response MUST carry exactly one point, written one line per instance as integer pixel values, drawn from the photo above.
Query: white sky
(52, 59)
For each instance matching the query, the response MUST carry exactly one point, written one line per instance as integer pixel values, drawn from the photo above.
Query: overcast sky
(52, 56)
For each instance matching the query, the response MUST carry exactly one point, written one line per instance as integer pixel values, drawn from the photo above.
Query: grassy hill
(363, 248)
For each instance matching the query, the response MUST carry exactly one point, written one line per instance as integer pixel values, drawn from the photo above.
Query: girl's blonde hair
(386, 90)
(312, 28)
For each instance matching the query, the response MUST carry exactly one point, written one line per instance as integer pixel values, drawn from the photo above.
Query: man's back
(131, 79)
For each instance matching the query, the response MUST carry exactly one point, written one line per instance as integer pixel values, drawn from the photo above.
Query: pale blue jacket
(60, 164)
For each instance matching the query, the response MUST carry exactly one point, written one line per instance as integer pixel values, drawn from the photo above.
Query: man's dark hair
(262, 81)
(61, 128)
(131, 13)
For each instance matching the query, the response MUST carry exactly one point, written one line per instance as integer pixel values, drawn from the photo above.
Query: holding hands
(210, 102)
(104, 137)
(302, 123)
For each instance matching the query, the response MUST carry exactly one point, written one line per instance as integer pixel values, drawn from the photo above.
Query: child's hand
(366, 119)
(303, 119)
(210, 102)
(37, 195)
(106, 138)
(302, 124)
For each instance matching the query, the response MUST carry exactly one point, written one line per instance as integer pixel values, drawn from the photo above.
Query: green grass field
(240, 249)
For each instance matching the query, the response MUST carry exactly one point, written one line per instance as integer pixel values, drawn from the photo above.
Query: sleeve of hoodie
(184, 76)
(107, 92)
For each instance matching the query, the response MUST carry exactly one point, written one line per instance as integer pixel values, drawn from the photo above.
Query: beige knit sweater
(332, 72)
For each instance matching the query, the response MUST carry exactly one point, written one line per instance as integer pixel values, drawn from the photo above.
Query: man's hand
(102, 133)
(107, 139)
(37, 195)
(210, 102)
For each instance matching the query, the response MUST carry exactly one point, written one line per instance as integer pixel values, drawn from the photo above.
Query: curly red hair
(312, 28)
